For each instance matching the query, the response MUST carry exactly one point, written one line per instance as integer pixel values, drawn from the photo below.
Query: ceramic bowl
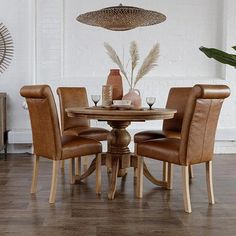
(122, 102)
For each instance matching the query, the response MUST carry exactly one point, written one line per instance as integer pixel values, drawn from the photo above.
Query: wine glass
(150, 101)
(95, 99)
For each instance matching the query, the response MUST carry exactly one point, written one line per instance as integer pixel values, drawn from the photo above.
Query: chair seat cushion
(165, 149)
(73, 146)
(155, 134)
(99, 134)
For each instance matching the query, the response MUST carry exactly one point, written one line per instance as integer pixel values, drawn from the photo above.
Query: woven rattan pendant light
(121, 18)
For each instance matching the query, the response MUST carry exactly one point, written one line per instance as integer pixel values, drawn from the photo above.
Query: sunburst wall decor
(6, 48)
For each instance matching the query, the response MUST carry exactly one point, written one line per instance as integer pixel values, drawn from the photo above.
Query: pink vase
(115, 79)
(134, 96)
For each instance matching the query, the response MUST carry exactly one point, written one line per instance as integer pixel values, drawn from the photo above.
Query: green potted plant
(221, 56)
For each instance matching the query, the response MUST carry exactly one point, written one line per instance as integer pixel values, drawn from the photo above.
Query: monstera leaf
(221, 56)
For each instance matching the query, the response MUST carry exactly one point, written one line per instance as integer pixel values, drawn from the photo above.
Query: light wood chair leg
(209, 182)
(35, 174)
(62, 164)
(170, 176)
(53, 190)
(108, 161)
(191, 172)
(85, 163)
(98, 173)
(135, 169)
(186, 194)
(139, 185)
(165, 171)
(78, 166)
(72, 170)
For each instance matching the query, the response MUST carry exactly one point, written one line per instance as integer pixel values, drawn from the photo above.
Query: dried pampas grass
(134, 58)
(148, 64)
(112, 54)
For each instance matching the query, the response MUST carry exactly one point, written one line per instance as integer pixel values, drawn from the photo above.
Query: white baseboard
(20, 141)
(225, 147)
(20, 148)
(20, 136)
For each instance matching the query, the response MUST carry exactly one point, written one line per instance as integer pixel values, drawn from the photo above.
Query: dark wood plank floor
(78, 211)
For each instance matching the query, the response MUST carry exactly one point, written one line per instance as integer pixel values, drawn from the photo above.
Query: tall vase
(115, 79)
(134, 96)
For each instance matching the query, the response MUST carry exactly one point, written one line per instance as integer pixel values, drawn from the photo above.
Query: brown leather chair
(47, 139)
(197, 139)
(177, 99)
(77, 97)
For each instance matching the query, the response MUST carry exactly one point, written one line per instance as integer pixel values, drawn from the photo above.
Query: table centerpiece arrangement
(148, 64)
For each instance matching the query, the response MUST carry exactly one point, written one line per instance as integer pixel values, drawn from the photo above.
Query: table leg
(115, 168)
(122, 172)
(89, 171)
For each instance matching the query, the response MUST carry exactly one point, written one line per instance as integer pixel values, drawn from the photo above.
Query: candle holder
(107, 95)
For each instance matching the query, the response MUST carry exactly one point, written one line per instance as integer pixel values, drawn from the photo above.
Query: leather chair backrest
(44, 120)
(200, 122)
(177, 99)
(72, 97)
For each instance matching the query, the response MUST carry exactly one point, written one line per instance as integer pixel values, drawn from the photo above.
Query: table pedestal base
(118, 156)
(117, 171)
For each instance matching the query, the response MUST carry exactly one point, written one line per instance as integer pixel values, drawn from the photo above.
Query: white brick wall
(52, 47)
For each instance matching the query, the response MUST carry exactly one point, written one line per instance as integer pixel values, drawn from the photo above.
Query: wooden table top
(107, 114)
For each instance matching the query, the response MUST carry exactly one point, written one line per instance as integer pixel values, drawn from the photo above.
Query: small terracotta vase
(134, 96)
(115, 79)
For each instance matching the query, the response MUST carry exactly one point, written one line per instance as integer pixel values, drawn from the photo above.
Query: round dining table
(118, 156)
